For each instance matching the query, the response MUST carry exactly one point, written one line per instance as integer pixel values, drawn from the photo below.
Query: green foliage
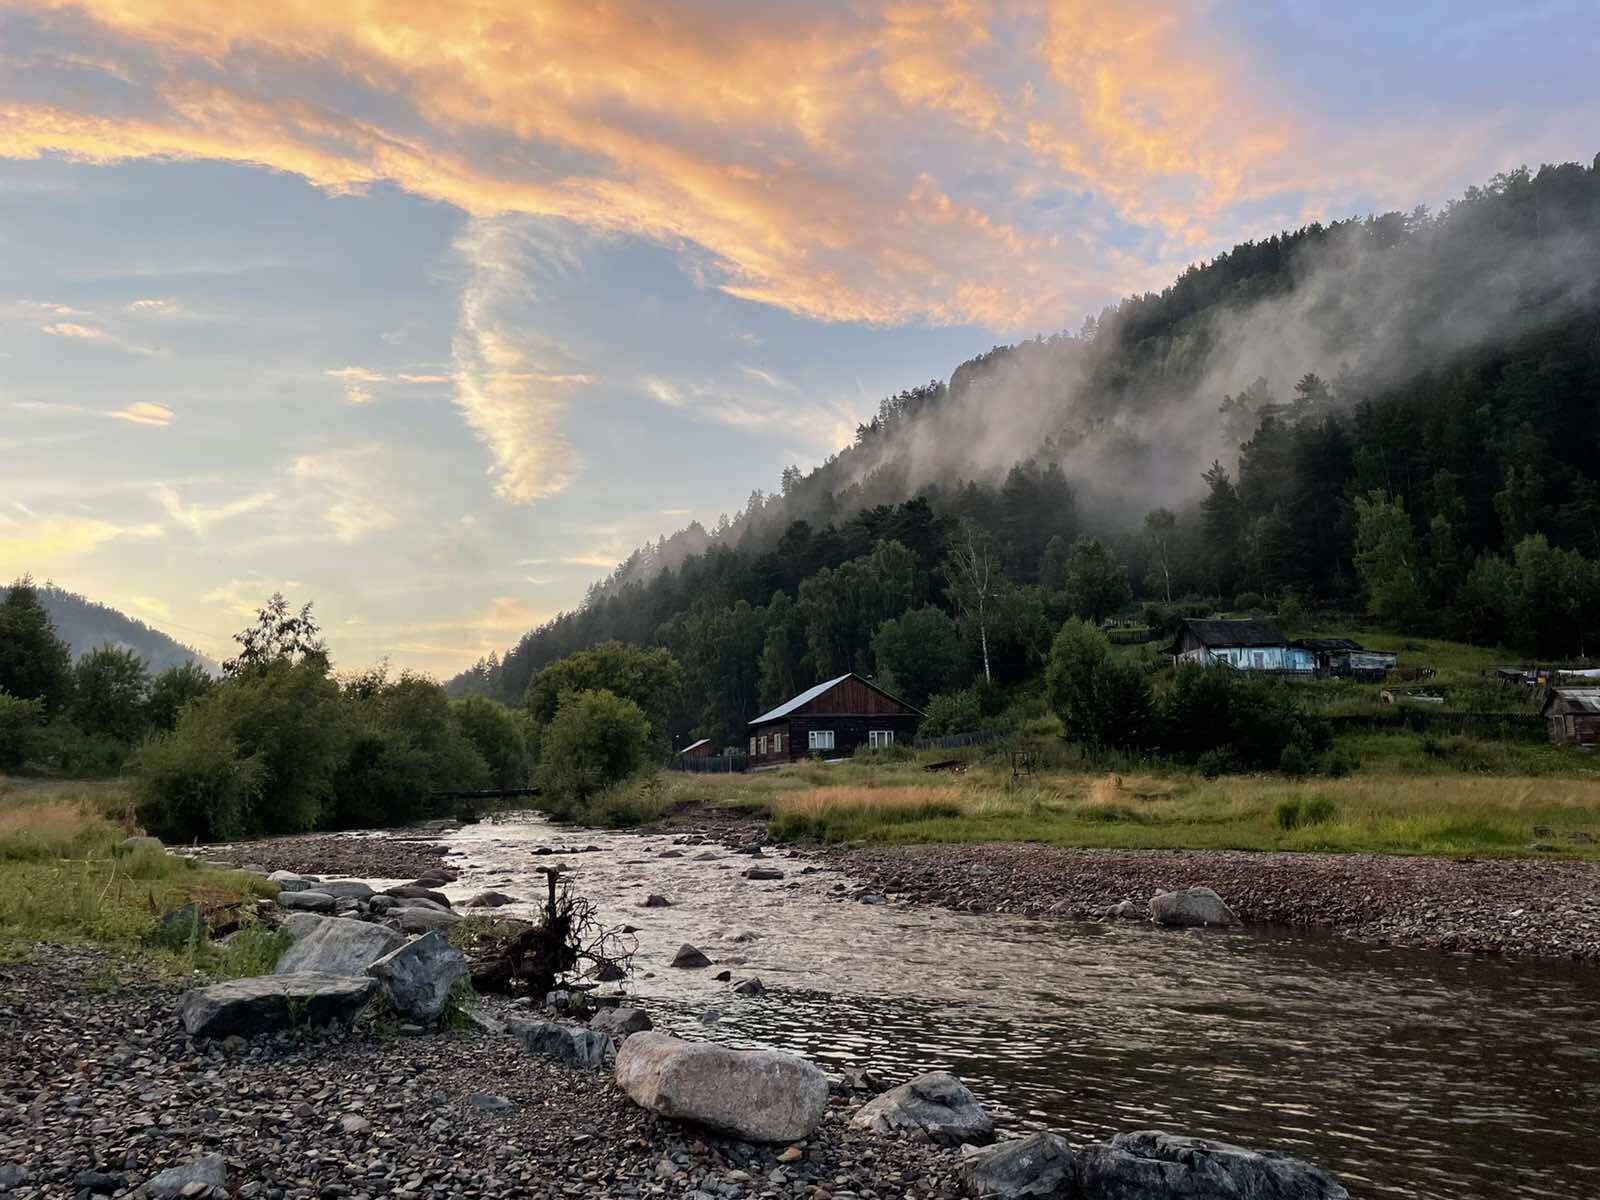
(280, 635)
(1300, 812)
(110, 693)
(19, 729)
(174, 688)
(498, 735)
(1102, 701)
(1294, 761)
(1387, 558)
(951, 712)
(192, 784)
(1243, 722)
(918, 654)
(842, 608)
(1096, 583)
(35, 664)
(595, 741)
(651, 680)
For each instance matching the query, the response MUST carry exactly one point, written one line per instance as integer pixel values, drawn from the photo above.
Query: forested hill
(86, 625)
(1214, 438)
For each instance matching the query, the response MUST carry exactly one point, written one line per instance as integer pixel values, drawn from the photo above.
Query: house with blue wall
(1243, 645)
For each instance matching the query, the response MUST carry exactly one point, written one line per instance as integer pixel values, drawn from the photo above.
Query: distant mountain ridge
(86, 624)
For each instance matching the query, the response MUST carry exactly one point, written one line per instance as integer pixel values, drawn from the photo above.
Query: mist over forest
(1245, 435)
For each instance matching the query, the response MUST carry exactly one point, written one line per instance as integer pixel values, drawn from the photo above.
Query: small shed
(1572, 715)
(701, 749)
(832, 719)
(1349, 659)
(1245, 645)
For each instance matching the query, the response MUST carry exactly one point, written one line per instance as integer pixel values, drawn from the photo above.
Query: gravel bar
(1521, 907)
(97, 1075)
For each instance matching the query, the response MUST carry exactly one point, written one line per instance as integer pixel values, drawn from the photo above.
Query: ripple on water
(1404, 1073)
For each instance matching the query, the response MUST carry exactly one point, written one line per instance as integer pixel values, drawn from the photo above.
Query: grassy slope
(60, 881)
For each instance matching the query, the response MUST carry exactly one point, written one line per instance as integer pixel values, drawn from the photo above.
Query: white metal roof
(694, 745)
(805, 697)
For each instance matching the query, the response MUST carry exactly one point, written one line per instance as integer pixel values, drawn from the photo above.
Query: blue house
(1243, 645)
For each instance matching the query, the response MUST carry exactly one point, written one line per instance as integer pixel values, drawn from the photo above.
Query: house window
(879, 739)
(1259, 659)
(752, 747)
(820, 739)
(762, 743)
(777, 743)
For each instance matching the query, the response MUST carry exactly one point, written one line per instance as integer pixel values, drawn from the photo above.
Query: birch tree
(975, 577)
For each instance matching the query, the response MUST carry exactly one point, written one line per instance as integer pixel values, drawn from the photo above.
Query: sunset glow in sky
(430, 312)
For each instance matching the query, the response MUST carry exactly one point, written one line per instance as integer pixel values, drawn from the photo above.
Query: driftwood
(571, 938)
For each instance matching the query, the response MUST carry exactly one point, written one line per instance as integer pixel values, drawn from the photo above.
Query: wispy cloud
(154, 308)
(360, 381)
(42, 544)
(144, 412)
(352, 488)
(200, 518)
(76, 331)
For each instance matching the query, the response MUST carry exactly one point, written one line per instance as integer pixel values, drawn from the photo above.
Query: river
(1404, 1073)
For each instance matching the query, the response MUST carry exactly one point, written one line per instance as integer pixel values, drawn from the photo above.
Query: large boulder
(1150, 1165)
(753, 1095)
(620, 1021)
(132, 845)
(491, 900)
(201, 1177)
(417, 977)
(339, 946)
(412, 891)
(271, 1002)
(309, 900)
(570, 1044)
(688, 957)
(1191, 907)
(936, 1106)
(423, 919)
(1038, 1166)
(346, 889)
(288, 881)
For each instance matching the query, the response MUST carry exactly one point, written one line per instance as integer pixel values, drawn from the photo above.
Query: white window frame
(880, 739)
(819, 739)
(752, 746)
(762, 742)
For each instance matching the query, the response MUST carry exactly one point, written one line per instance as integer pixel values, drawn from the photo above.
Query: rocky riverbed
(101, 1089)
(1520, 907)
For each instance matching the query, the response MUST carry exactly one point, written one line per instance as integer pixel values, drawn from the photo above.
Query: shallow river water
(1405, 1074)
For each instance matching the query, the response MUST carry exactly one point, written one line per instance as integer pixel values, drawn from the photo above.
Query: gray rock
(209, 1171)
(762, 873)
(1150, 1165)
(354, 1123)
(306, 901)
(13, 1175)
(570, 1044)
(1040, 1165)
(270, 1002)
(1126, 910)
(491, 900)
(288, 881)
(1194, 906)
(485, 1023)
(339, 946)
(298, 924)
(936, 1106)
(100, 1183)
(424, 920)
(655, 901)
(872, 898)
(750, 987)
(412, 891)
(130, 845)
(417, 977)
(753, 1095)
(620, 1021)
(346, 889)
(488, 1102)
(689, 958)
(181, 926)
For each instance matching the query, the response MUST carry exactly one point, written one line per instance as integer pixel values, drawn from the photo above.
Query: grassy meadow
(63, 881)
(1402, 801)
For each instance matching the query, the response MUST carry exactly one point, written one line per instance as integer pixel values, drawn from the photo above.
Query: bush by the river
(595, 740)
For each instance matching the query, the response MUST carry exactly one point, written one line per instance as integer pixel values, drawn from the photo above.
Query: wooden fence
(713, 764)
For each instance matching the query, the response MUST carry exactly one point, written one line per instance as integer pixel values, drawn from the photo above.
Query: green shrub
(193, 784)
(1294, 762)
(19, 729)
(595, 740)
(1299, 812)
(951, 712)
(1287, 812)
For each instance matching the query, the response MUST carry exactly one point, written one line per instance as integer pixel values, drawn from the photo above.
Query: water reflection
(1406, 1074)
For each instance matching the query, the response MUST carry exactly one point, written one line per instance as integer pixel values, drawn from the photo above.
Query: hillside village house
(832, 720)
(701, 749)
(1573, 715)
(1343, 658)
(1245, 645)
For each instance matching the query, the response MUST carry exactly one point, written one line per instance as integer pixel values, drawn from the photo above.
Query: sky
(430, 312)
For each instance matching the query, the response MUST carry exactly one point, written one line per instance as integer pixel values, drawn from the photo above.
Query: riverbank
(97, 1075)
